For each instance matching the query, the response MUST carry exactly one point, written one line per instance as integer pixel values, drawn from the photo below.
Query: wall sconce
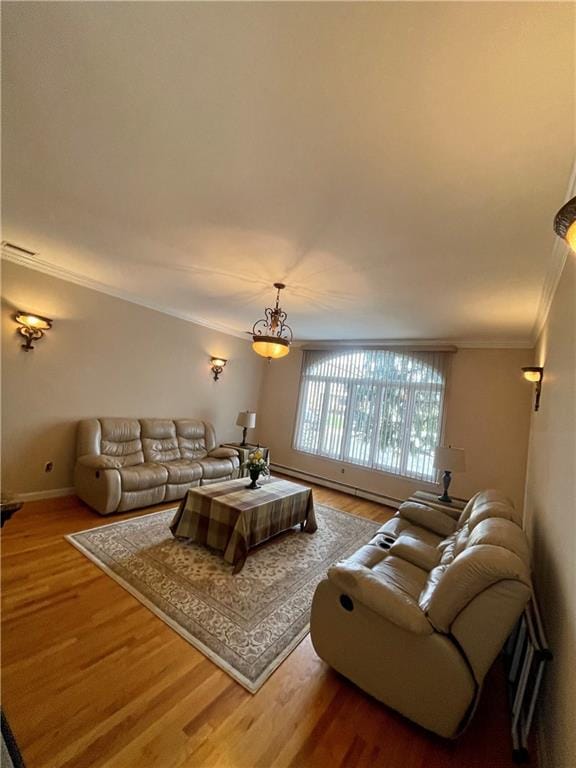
(32, 327)
(217, 364)
(535, 374)
(565, 223)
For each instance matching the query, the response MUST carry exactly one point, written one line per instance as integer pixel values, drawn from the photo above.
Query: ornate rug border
(250, 686)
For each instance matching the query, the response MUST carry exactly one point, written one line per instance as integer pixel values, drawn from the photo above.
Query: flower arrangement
(257, 463)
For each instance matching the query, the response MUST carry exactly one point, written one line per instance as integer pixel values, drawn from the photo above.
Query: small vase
(254, 475)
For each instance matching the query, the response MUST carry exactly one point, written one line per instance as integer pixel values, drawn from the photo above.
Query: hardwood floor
(92, 678)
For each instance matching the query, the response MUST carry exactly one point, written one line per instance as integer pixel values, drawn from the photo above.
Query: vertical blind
(373, 407)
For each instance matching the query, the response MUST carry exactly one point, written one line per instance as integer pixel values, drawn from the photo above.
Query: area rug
(246, 623)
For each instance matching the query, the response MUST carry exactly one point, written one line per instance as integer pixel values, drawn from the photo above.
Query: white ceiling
(398, 165)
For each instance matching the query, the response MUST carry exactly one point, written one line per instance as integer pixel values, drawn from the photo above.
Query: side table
(431, 499)
(244, 451)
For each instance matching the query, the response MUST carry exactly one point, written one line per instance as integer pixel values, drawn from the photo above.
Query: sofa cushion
(427, 517)
(397, 526)
(158, 428)
(159, 440)
(142, 477)
(482, 497)
(416, 551)
(121, 438)
(501, 533)
(454, 544)
(450, 588)
(182, 471)
(191, 436)
(216, 468)
(143, 498)
(120, 430)
(494, 509)
(404, 576)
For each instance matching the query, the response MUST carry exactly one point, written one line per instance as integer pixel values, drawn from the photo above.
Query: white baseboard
(380, 498)
(55, 493)
(335, 485)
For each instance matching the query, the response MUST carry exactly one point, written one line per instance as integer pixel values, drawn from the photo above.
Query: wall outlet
(49, 466)
(342, 470)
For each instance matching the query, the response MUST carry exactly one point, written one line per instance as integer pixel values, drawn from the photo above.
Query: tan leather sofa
(416, 617)
(124, 464)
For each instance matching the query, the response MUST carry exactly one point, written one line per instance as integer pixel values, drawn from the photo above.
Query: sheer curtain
(379, 408)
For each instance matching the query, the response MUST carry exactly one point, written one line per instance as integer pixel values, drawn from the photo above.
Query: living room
(331, 241)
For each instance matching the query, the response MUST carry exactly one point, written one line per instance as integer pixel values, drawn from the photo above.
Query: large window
(376, 408)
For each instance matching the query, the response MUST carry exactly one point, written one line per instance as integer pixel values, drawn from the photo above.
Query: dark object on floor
(525, 654)
(7, 509)
(11, 757)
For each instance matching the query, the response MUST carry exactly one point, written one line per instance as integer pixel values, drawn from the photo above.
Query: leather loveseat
(124, 464)
(417, 616)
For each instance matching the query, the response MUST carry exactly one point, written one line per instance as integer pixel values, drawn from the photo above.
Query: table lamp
(449, 460)
(246, 420)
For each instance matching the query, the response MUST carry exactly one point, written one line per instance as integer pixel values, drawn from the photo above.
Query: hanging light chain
(273, 324)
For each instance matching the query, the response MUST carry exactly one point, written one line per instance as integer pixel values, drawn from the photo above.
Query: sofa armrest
(381, 596)
(223, 453)
(98, 461)
(101, 490)
(427, 517)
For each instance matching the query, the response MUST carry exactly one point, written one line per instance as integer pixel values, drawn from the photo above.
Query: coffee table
(232, 519)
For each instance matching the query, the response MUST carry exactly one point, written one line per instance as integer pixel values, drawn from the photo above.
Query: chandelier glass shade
(565, 223)
(271, 336)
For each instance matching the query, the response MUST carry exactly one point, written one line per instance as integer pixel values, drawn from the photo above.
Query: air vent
(17, 250)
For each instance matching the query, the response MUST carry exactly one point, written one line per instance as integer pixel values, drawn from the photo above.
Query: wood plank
(92, 678)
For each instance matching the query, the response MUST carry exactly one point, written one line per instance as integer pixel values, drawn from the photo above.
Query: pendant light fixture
(271, 337)
(565, 223)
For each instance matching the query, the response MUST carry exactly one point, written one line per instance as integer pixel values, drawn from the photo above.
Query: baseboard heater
(380, 498)
(526, 655)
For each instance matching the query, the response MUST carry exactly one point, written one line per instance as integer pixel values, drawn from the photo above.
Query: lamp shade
(532, 373)
(246, 419)
(33, 321)
(271, 347)
(450, 459)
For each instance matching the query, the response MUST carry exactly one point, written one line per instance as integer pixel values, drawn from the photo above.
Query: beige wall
(551, 519)
(105, 357)
(488, 415)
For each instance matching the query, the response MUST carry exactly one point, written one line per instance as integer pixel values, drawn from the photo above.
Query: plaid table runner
(230, 518)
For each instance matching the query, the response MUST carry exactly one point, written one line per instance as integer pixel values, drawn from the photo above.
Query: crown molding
(560, 251)
(494, 344)
(438, 344)
(33, 262)
(39, 265)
